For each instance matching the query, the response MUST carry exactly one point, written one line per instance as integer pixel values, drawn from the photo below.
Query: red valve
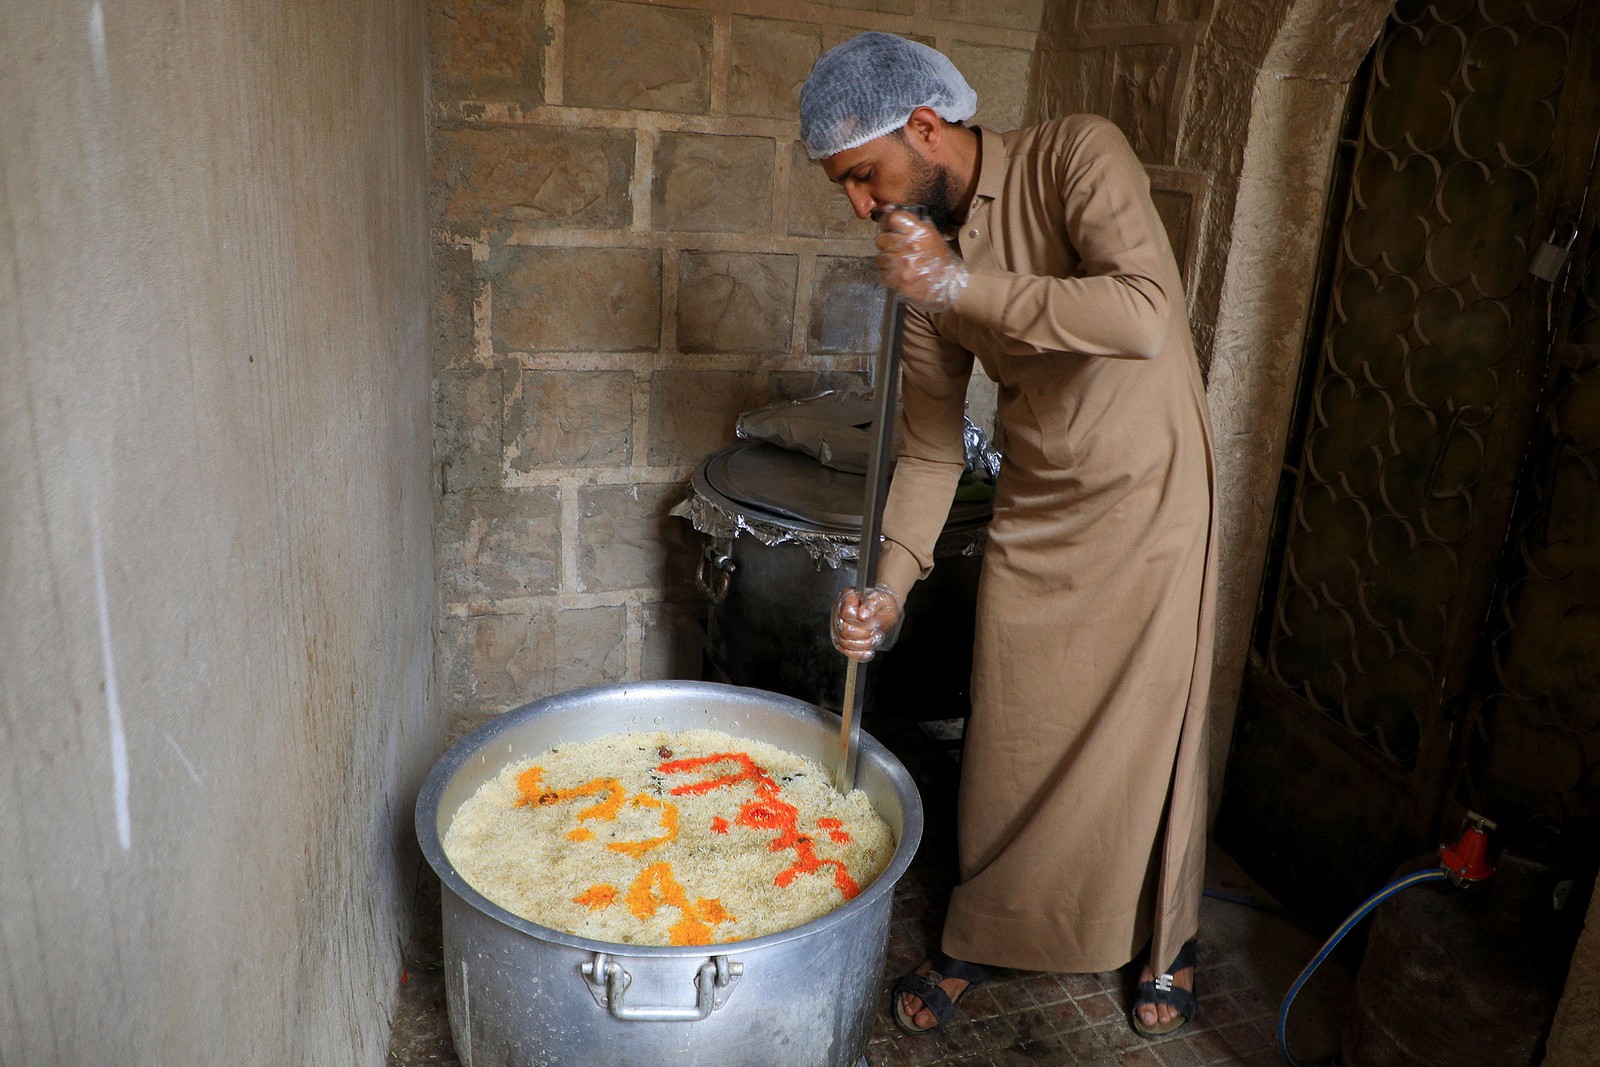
(1467, 861)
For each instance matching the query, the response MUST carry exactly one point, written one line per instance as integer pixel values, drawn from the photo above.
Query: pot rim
(974, 519)
(872, 753)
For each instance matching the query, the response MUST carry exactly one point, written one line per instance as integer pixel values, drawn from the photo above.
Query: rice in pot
(654, 838)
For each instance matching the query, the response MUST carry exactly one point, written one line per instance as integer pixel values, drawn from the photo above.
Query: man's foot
(1166, 1003)
(925, 999)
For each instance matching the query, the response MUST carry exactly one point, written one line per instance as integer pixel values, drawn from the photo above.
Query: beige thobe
(1081, 824)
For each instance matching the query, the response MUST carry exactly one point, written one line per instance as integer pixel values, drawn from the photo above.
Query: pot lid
(793, 485)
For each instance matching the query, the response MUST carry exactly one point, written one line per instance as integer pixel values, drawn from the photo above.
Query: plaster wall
(215, 527)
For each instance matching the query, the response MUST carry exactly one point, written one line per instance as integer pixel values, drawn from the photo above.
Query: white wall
(214, 526)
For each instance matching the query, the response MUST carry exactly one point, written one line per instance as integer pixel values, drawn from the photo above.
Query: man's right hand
(917, 263)
(864, 624)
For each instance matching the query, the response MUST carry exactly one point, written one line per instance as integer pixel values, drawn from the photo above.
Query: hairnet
(869, 85)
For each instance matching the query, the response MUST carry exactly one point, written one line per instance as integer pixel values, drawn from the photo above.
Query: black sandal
(925, 987)
(1160, 990)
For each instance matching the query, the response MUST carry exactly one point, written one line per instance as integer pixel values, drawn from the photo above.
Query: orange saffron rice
(652, 838)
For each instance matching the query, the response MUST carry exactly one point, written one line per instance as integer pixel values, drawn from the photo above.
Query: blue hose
(1431, 875)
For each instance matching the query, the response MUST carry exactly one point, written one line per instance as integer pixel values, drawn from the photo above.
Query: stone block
(710, 183)
(799, 384)
(735, 302)
(1004, 14)
(838, 33)
(455, 289)
(770, 61)
(983, 401)
(533, 176)
(1098, 14)
(486, 49)
(846, 306)
(1176, 208)
(626, 539)
(1142, 88)
(576, 299)
(1000, 77)
(1327, 46)
(1074, 82)
(453, 659)
(637, 56)
(467, 428)
(504, 661)
(888, 7)
(497, 544)
(692, 412)
(461, 721)
(569, 419)
(671, 640)
(818, 207)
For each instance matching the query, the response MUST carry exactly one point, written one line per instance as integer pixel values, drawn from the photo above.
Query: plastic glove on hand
(863, 625)
(915, 262)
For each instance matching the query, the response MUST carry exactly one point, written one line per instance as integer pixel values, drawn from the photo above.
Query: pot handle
(609, 980)
(714, 572)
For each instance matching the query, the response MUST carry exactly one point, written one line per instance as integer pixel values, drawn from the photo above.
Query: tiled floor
(1248, 958)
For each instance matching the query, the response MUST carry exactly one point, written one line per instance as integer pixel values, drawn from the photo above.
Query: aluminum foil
(833, 550)
(982, 456)
(835, 429)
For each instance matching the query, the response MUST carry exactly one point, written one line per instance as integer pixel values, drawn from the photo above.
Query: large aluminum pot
(523, 995)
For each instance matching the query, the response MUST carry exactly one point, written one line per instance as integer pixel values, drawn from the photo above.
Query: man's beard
(932, 188)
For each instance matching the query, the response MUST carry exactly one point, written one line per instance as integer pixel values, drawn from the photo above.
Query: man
(1081, 820)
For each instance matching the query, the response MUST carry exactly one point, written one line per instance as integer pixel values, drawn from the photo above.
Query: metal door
(1471, 136)
(1532, 743)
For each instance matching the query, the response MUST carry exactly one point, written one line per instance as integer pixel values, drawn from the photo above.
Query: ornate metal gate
(1433, 423)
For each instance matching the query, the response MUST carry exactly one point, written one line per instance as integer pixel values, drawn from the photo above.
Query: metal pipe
(886, 380)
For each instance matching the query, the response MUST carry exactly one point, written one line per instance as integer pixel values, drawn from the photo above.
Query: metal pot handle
(714, 572)
(608, 980)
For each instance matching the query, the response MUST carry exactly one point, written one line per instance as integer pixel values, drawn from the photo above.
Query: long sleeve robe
(1081, 825)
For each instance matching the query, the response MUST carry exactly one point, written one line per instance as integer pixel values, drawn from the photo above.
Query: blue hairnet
(869, 85)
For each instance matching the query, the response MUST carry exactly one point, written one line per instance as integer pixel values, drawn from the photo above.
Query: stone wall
(633, 249)
(1197, 85)
(1234, 107)
(1134, 61)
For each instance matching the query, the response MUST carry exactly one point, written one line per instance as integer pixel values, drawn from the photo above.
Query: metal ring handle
(714, 573)
(609, 980)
